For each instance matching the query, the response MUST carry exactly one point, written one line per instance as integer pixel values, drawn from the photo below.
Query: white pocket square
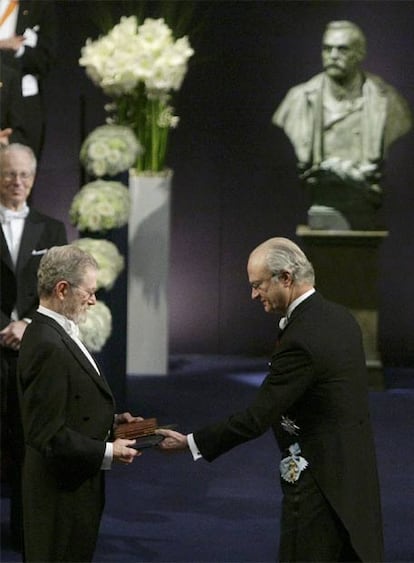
(39, 252)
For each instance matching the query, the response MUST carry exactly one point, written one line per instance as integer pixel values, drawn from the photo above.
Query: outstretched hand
(173, 441)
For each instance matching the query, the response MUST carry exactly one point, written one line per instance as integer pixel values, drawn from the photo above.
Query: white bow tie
(7, 215)
(72, 328)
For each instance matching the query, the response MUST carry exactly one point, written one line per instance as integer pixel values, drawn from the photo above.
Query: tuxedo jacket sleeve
(11, 106)
(67, 407)
(18, 287)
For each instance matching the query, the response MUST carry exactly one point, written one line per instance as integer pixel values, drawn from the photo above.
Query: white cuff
(193, 447)
(30, 85)
(107, 459)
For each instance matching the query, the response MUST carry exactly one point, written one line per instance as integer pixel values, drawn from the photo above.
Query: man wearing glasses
(25, 235)
(315, 400)
(68, 416)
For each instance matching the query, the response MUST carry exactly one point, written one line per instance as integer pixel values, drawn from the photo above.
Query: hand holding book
(143, 431)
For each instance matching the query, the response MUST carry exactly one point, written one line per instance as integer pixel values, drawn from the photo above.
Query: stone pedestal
(346, 266)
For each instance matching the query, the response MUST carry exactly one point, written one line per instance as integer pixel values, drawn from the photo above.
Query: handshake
(140, 433)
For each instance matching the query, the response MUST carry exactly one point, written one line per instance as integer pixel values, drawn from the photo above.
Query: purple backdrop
(235, 183)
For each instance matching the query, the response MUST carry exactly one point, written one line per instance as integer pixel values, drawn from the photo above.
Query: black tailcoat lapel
(99, 379)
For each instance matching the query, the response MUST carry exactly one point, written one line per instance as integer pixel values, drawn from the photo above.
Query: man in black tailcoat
(28, 38)
(68, 415)
(315, 399)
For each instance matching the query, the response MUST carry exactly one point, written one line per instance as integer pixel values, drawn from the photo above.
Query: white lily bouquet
(109, 150)
(110, 261)
(99, 206)
(139, 66)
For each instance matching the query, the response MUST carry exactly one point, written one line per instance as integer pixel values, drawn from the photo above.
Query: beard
(74, 312)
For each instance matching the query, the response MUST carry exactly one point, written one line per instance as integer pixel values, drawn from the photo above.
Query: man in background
(28, 37)
(341, 124)
(25, 235)
(315, 399)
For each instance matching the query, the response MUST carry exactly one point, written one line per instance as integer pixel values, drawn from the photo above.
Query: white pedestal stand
(148, 266)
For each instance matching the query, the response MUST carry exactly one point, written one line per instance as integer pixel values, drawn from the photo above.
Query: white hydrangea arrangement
(139, 66)
(97, 327)
(110, 261)
(99, 206)
(109, 150)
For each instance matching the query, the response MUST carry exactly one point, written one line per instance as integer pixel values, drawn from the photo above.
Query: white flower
(167, 119)
(96, 328)
(132, 53)
(100, 206)
(139, 66)
(110, 261)
(109, 150)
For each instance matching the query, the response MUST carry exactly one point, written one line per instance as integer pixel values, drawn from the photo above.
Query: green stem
(142, 114)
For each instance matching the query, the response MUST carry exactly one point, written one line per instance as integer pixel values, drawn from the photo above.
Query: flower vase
(148, 268)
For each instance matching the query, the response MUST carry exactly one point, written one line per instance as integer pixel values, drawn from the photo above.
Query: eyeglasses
(23, 176)
(257, 285)
(89, 293)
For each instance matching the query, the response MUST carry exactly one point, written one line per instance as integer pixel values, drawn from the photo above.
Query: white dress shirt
(284, 320)
(12, 223)
(8, 27)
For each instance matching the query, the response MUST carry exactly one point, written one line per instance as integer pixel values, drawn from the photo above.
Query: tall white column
(148, 268)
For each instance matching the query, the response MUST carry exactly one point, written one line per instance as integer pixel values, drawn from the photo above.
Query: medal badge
(289, 426)
(292, 466)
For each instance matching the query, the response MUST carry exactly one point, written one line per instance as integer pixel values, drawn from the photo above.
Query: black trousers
(310, 529)
(12, 443)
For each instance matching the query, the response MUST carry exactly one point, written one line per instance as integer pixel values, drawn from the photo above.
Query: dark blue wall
(235, 182)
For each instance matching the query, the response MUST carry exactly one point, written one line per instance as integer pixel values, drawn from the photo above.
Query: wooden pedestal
(346, 269)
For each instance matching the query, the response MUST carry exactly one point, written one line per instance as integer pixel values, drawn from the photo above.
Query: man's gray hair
(283, 255)
(358, 37)
(68, 262)
(18, 147)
